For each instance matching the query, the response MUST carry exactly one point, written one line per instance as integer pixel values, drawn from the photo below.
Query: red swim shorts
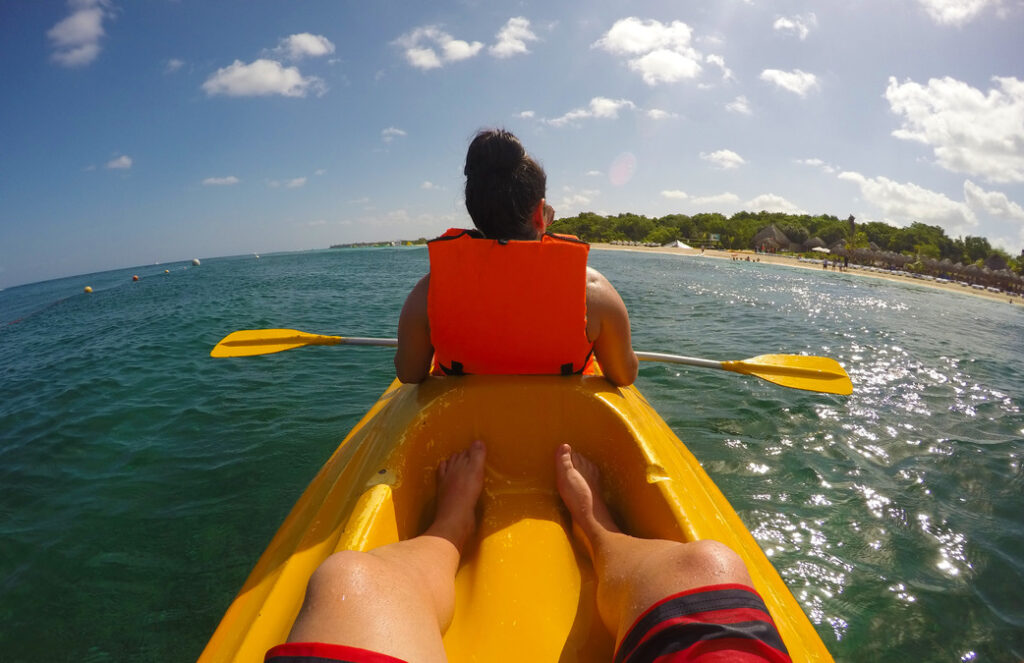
(318, 652)
(717, 623)
(707, 624)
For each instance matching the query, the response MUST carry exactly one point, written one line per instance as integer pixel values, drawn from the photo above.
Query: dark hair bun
(494, 152)
(503, 186)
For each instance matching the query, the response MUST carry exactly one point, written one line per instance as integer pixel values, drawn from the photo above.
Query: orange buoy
(88, 289)
(135, 277)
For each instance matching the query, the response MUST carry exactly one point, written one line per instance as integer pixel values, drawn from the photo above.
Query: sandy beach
(790, 261)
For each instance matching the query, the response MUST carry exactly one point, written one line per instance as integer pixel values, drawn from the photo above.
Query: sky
(137, 133)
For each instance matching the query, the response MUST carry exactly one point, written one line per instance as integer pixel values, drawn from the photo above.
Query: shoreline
(791, 261)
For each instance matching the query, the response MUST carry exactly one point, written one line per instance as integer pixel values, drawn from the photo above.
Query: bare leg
(632, 573)
(399, 599)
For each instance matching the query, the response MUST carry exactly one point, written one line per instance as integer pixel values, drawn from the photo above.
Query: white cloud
(389, 134)
(796, 25)
(527, 115)
(320, 171)
(427, 186)
(739, 105)
(609, 108)
(422, 58)
(903, 204)
(969, 131)
(633, 36)
(719, 61)
(295, 183)
(122, 162)
(76, 38)
(600, 107)
(665, 66)
(574, 200)
(512, 38)
(992, 202)
(660, 53)
(658, 114)
(419, 47)
(817, 163)
(261, 78)
(173, 65)
(594, 173)
(724, 159)
(303, 45)
(457, 49)
(955, 12)
(796, 81)
(221, 181)
(769, 202)
(719, 199)
(674, 194)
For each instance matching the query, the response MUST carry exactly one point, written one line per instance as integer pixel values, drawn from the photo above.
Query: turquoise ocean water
(140, 479)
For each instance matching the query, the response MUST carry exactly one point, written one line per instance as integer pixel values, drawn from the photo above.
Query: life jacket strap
(454, 369)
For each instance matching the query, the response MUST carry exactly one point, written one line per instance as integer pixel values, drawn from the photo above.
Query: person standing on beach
(508, 297)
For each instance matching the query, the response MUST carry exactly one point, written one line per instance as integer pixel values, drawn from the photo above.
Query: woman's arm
(415, 352)
(608, 328)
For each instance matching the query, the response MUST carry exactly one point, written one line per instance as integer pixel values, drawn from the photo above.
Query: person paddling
(508, 297)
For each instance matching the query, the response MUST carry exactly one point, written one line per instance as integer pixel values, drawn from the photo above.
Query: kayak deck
(525, 590)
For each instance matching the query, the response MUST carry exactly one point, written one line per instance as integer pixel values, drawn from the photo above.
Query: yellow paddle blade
(249, 342)
(796, 372)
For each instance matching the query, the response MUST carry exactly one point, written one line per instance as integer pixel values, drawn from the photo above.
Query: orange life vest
(508, 307)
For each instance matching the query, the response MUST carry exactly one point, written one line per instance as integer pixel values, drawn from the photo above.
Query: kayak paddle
(820, 374)
(250, 342)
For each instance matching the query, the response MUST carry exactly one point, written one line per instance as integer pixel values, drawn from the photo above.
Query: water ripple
(149, 477)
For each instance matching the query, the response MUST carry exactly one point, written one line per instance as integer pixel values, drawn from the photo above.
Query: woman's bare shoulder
(595, 278)
(598, 287)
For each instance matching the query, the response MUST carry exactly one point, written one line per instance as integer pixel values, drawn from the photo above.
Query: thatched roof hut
(771, 237)
(814, 243)
(996, 262)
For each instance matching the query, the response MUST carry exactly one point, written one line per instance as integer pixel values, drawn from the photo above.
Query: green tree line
(737, 232)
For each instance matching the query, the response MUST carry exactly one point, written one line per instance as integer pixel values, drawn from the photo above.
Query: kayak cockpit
(524, 590)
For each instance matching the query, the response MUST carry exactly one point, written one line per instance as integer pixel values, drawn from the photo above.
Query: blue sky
(142, 132)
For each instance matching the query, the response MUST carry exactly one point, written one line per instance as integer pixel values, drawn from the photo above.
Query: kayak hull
(525, 589)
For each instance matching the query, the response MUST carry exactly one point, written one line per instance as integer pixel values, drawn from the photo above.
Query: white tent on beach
(677, 245)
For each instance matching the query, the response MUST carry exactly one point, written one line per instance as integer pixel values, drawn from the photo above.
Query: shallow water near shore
(142, 479)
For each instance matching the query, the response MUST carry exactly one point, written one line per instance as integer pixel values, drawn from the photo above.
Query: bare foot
(579, 483)
(460, 479)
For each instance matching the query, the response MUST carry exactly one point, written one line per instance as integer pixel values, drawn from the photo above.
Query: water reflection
(897, 505)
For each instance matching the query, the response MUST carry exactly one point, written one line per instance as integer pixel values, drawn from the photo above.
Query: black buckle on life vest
(567, 368)
(455, 369)
(503, 242)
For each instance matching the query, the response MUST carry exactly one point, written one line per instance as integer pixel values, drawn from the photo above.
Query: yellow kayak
(524, 591)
